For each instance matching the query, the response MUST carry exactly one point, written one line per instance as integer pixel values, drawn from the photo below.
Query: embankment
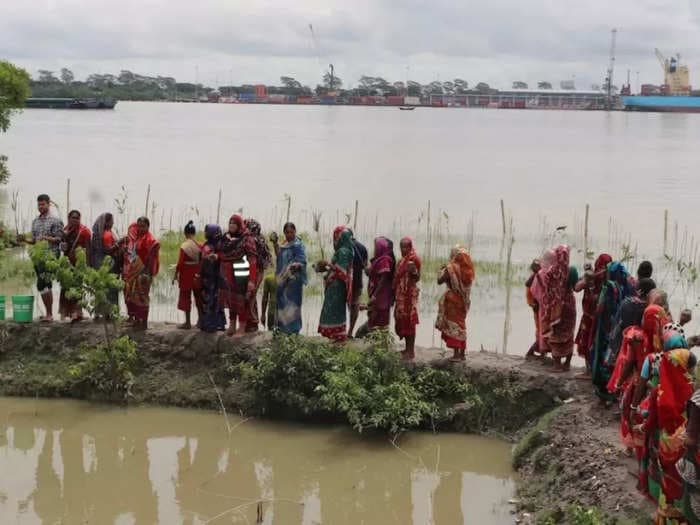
(568, 453)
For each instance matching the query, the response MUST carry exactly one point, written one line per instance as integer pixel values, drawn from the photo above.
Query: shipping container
(305, 100)
(411, 101)
(394, 100)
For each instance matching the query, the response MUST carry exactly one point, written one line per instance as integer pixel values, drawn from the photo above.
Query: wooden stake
(503, 218)
(289, 207)
(428, 240)
(68, 196)
(170, 228)
(506, 322)
(585, 236)
(148, 198)
(665, 232)
(218, 208)
(354, 222)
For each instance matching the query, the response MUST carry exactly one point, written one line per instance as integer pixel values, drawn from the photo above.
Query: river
(545, 165)
(75, 462)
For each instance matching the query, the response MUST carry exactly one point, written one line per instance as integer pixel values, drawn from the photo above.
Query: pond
(65, 461)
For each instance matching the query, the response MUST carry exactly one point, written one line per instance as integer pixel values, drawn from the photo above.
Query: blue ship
(666, 104)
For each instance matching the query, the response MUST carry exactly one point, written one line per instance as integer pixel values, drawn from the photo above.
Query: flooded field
(75, 462)
(436, 175)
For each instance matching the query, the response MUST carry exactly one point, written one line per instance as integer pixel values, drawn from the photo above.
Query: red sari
(379, 286)
(73, 240)
(188, 269)
(406, 293)
(141, 265)
(240, 300)
(589, 305)
(455, 302)
(558, 306)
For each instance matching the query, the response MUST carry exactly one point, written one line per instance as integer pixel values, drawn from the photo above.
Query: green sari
(338, 291)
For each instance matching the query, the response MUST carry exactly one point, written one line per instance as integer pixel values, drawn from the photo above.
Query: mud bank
(568, 453)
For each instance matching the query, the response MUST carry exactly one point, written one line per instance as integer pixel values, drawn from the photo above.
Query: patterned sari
(74, 239)
(558, 320)
(290, 286)
(615, 289)
(240, 295)
(455, 302)
(674, 391)
(141, 265)
(379, 287)
(338, 290)
(586, 330)
(406, 293)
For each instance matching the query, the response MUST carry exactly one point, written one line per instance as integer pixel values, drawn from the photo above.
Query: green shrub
(369, 387)
(108, 368)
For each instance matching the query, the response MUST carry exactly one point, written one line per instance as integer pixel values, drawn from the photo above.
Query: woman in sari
(406, 296)
(76, 237)
(380, 284)
(666, 425)
(187, 275)
(615, 290)
(291, 278)
(239, 267)
(538, 291)
(337, 295)
(689, 466)
(212, 317)
(591, 284)
(644, 410)
(458, 275)
(141, 265)
(104, 244)
(558, 305)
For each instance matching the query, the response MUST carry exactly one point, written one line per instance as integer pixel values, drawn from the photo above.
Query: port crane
(676, 77)
(611, 70)
(331, 69)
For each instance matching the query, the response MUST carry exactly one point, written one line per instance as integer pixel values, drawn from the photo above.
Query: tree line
(127, 85)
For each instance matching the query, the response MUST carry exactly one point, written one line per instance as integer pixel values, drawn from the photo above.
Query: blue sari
(290, 286)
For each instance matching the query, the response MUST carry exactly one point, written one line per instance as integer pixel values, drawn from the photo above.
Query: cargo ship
(663, 103)
(71, 103)
(673, 96)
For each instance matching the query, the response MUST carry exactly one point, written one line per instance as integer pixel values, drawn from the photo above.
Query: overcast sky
(219, 41)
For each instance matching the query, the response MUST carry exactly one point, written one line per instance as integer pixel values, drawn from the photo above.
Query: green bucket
(2, 307)
(22, 308)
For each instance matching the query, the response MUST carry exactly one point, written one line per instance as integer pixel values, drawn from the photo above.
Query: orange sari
(455, 302)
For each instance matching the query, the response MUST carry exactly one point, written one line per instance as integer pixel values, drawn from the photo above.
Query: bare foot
(231, 330)
(184, 326)
(407, 356)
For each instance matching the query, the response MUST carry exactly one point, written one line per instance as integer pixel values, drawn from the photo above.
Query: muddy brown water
(72, 462)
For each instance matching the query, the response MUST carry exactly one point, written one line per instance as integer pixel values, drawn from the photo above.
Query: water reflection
(70, 462)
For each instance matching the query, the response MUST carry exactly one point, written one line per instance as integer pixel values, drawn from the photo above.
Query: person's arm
(442, 276)
(580, 285)
(641, 389)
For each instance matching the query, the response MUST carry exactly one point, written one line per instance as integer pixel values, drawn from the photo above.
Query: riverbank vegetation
(14, 90)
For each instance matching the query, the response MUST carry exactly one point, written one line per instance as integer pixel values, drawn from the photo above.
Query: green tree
(14, 90)
(47, 77)
(67, 76)
(332, 84)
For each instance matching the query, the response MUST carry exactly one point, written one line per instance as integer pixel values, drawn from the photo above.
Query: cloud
(497, 41)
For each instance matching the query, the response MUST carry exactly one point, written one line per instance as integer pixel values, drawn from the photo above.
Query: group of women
(635, 355)
(225, 272)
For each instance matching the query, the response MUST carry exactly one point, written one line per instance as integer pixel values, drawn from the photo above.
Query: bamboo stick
(503, 218)
(428, 239)
(585, 236)
(665, 232)
(218, 207)
(506, 321)
(68, 196)
(289, 207)
(354, 220)
(148, 198)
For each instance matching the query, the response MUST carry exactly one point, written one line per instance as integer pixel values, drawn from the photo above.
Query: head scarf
(262, 249)
(461, 273)
(336, 233)
(653, 320)
(253, 226)
(238, 220)
(601, 264)
(402, 266)
(383, 256)
(97, 254)
(212, 233)
(344, 244)
(549, 257)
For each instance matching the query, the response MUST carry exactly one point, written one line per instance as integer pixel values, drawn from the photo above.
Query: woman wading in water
(458, 275)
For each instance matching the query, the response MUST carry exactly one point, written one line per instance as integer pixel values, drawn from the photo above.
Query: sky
(219, 42)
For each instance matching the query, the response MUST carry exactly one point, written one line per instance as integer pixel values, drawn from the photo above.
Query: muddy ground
(568, 452)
